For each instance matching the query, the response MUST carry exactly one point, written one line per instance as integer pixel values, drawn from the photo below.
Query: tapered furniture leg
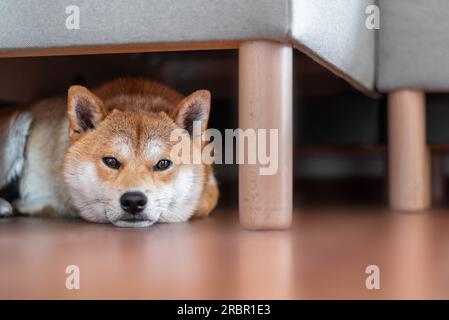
(409, 167)
(438, 178)
(265, 102)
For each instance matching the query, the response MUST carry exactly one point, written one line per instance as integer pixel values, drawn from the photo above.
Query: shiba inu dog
(105, 155)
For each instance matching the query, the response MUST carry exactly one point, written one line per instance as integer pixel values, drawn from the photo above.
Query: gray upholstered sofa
(405, 57)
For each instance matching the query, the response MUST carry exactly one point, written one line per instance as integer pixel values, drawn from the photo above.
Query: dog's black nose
(133, 202)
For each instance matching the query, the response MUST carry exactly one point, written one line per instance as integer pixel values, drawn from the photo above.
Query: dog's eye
(111, 162)
(162, 165)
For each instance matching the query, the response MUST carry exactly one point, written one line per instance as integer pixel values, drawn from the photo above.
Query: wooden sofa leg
(409, 167)
(438, 178)
(265, 102)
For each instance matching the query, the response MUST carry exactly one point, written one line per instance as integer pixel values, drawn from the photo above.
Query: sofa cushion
(42, 23)
(413, 48)
(332, 32)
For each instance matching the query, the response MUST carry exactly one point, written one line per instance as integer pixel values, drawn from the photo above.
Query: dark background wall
(335, 126)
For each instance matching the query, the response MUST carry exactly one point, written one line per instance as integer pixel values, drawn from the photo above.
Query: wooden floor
(324, 255)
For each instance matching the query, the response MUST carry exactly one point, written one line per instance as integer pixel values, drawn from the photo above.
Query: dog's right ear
(84, 109)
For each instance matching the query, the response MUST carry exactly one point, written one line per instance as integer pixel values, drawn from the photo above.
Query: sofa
(403, 57)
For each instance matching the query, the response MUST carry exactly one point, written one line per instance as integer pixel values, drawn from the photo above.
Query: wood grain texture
(409, 167)
(119, 48)
(438, 178)
(265, 102)
(322, 256)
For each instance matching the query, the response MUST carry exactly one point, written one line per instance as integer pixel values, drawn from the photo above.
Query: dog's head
(118, 167)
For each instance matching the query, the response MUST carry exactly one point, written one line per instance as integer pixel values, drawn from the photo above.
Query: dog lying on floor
(105, 155)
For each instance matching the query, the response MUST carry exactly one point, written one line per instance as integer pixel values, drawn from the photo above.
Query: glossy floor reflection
(324, 255)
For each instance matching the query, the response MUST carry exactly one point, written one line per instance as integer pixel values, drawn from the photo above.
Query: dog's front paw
(5, 208)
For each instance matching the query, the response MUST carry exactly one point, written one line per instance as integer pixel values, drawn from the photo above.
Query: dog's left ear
(84, 109)
(195, 107)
